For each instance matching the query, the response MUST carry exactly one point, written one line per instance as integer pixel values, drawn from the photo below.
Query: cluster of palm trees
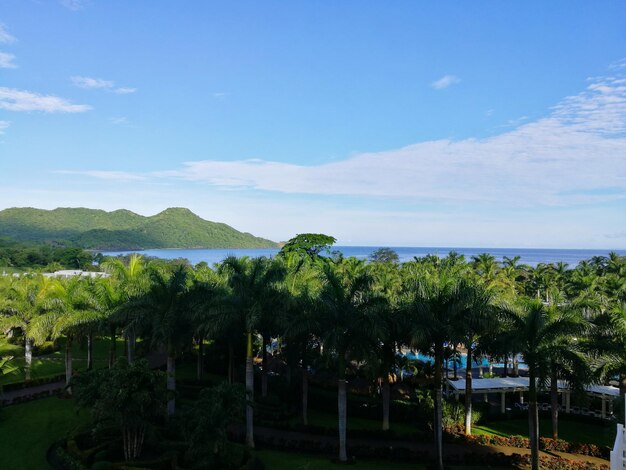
(567, 324)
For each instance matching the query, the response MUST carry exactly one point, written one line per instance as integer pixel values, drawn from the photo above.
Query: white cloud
(220, 94)
(120, 176)
(120, 121)
(74, 5)
(3, 126)
(575, 155)
(6, 61)
(445, 82)
(5, 37)
(510, 188)
(12, 99)
(90, 83)
(124, 90)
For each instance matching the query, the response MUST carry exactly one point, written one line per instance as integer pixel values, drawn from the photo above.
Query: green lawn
(287, 461)
(572, 431)
(28, 430)
(329, 421)
(53, 364)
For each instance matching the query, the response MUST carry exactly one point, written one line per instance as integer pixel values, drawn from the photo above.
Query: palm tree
(254, 294)
(132, 281)
(207, 298)
(388, 284)
(163, 312)
(300, 322)
(79, 313)
(476, 321)
(433, 301)
(538, 331)
(348, 312)
(24, 299)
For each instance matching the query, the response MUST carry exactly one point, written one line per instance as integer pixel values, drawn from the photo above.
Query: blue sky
(493, 124)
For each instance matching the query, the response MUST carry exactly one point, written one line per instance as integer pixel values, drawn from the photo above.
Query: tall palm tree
(300, 322)
(351, 325)
(163, 312)
(538, 331)
(207, 299)
(78, 315)
(475, 323)
(388, 284)
(133, 281)
(254, 285)
(23, 299)
(433, 301)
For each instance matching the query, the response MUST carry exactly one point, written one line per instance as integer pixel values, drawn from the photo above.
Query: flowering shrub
(545, 443)
(552, 463)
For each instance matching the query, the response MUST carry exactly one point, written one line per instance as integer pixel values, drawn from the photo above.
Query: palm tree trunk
(454, 364)
(438, 421)
(130, 336)
(250, 394)
(264, 371)
(68, 363)
(533, 419)
(554, 398)
(200, 368)
(171, 381)
(386, 395)
(89, 351)
(305, 396)
(231, 364)
(28, 357)
(112, 346)
(468, 391)
(342, 408)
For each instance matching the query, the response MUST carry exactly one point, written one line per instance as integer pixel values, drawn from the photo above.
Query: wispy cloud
(5, 37)
(6, 61)
(74, 5)
(124, 90)
(90, 83)
(119, 121)
(573, 156)
(445, 82)
(220, 94)
(3, 126)
(12, 99)
(120, 176)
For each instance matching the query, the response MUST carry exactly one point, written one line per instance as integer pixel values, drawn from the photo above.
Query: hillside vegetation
(122, 229)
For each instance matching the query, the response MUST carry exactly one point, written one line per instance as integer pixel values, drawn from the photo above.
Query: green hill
(122, 229)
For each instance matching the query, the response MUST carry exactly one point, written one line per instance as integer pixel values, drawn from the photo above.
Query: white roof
(603, 390)
(519, 384)
(501, 384)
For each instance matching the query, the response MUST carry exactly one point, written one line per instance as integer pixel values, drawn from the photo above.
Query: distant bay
(530, 256)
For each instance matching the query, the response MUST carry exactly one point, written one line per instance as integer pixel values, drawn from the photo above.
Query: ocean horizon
(529, 256)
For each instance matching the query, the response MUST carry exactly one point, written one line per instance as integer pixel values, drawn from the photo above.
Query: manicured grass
(53, 364)
(329, 421)
(29, 429)
(290, 461)
(572, 431)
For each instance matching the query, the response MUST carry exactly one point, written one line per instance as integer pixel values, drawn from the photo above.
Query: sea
(529, 256)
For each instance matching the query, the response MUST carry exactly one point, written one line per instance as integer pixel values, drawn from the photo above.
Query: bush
(545, 443)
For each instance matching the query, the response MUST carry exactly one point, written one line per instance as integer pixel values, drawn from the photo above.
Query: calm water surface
(530, 256)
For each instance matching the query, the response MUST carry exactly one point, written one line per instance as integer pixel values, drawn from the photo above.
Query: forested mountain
(122, 229)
